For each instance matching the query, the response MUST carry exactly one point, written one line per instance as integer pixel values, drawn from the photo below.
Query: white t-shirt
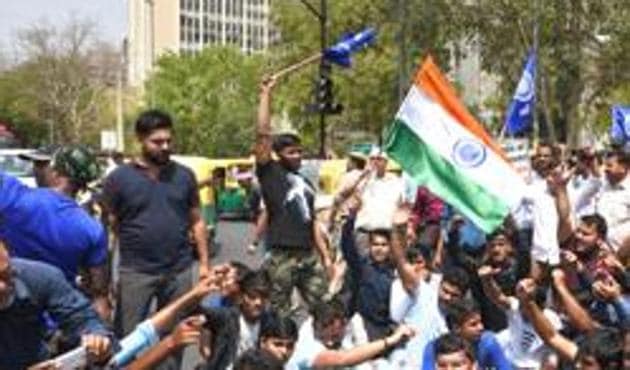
(420, 311)
(308, 347)
(519, 340)
(379, 200)
(248, 337)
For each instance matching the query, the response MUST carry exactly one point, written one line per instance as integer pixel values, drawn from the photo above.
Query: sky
(110, 17)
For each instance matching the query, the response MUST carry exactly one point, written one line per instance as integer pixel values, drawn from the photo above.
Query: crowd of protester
(386, 274)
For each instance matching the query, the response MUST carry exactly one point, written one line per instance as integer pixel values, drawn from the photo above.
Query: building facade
(186, 26)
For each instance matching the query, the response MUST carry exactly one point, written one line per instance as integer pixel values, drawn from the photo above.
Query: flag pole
(295, 66)
(536, 122)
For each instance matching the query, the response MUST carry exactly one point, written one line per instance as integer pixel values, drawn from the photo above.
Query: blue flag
(620, 126)
(341, 52)
(520, 115)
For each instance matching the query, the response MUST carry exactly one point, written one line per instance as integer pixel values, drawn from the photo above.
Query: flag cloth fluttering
(440, 145)
(341, 52)
(620, 126)
(520, 114)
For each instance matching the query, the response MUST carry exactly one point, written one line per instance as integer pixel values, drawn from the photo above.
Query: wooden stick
(293, 67)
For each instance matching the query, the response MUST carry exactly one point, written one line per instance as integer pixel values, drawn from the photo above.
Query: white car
(12, 164)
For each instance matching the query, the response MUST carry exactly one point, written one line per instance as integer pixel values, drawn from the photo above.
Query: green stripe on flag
(439, 175)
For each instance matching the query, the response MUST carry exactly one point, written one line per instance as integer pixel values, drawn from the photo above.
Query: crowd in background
(386, 274)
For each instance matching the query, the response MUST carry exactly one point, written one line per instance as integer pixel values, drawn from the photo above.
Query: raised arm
(557, 183)
(564, 346)
(491, 288)
(263, 148)
(409, 277)
(578, 316)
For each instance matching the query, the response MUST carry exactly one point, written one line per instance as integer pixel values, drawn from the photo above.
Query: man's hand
(188, 331)
(401, 334)
(558, 179)
(98, 347)
(525, 289)
(267, 85)
(205, 286)
(570, 261)
(487, 271)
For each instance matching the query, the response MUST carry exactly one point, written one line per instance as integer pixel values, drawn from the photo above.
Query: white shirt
(308, 347)
(248, 337)
(581, 193)
(519, 340)
(545, 246)
(419, 310)
(379, 200)
(613, 203)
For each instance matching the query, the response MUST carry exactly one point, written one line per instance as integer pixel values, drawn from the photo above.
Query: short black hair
(451, 343)
(385, 233)
(419, 250)
(459, 311)
(598, 221)
(256, 282)
(282, 141)
(620, 155)
(324, 313)
(507, 229)
(458, 277)
(606, 346)
(274, 325)
(152, 120)
(255, 359)
(241, 270)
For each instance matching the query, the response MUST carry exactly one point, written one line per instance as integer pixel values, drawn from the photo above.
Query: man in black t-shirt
(155, 204)
(289, 197)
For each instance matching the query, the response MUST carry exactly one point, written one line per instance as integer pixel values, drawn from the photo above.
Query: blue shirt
(41, 288)
(373, 282)
(47, 226)
(488, 354)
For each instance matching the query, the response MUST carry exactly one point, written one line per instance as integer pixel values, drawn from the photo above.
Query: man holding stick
(289, 197)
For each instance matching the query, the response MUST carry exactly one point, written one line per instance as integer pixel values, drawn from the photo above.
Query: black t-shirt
(153, 216)
(289, 199)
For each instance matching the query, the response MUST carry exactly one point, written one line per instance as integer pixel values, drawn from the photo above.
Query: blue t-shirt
(488, 354)
(47, 226)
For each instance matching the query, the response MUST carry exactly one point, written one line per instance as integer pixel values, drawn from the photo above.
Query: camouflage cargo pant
(295, 268)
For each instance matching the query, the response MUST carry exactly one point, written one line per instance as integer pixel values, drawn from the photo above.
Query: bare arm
(200, 234)
(362, 353)
(262, 148)
(557, 183)
(99, 288)
(322, 248)
(410, 279)
(564, 346)
(579, 317)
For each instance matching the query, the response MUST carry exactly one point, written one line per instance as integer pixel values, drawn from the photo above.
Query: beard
(159, 158)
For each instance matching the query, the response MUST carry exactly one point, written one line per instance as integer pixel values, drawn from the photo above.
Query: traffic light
(324, 96)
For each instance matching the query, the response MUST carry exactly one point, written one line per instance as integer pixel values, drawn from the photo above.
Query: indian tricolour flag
(440, 145)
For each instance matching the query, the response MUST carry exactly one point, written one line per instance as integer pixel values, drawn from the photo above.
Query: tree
(582, 50)
(61, 82)
(370, 90)
(213, 96)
